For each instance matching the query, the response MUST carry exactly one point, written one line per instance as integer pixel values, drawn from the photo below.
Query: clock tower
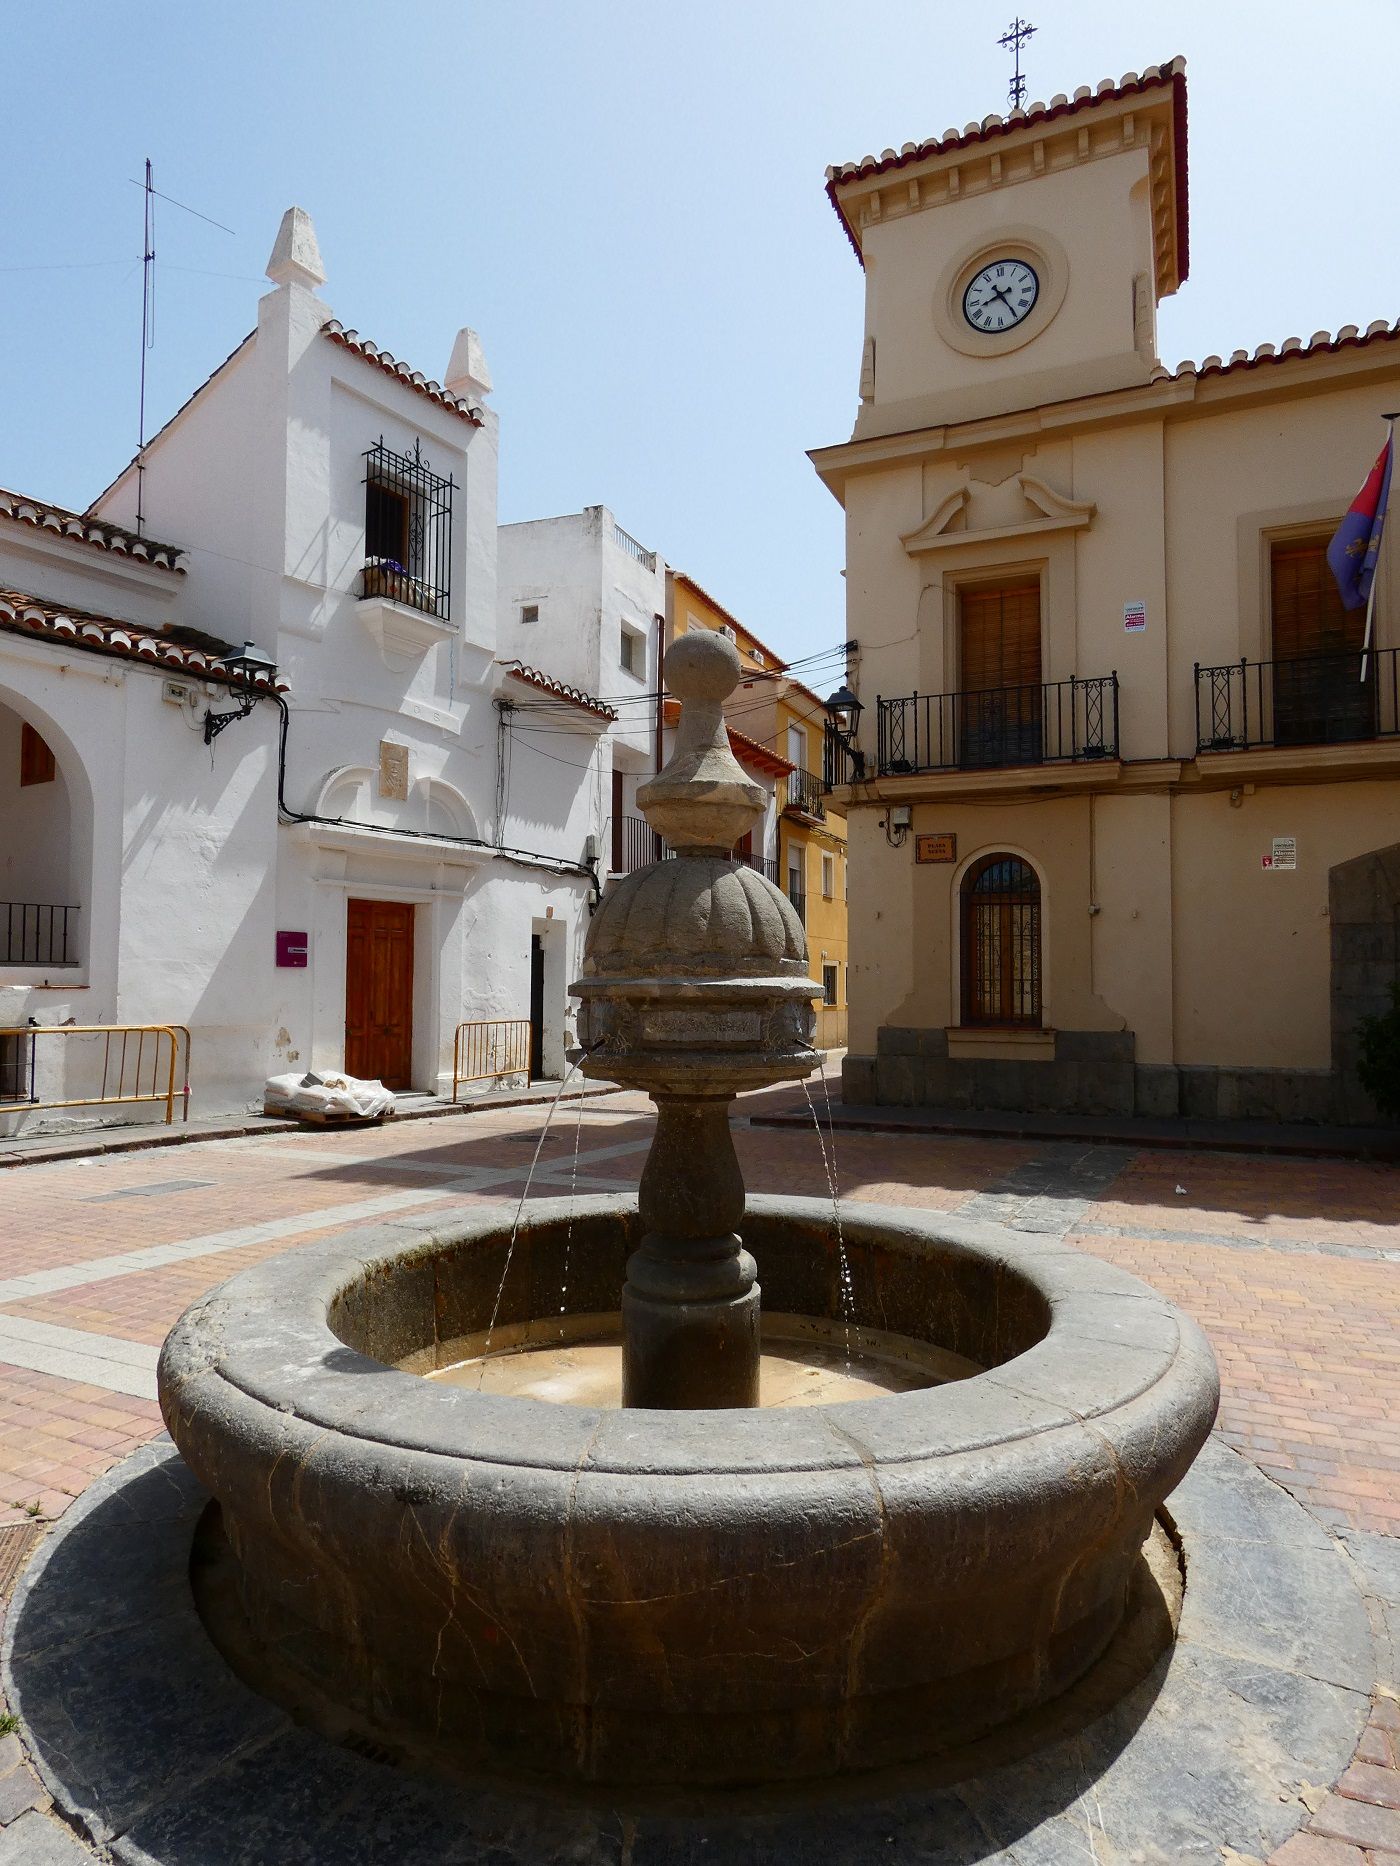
(1021, 260)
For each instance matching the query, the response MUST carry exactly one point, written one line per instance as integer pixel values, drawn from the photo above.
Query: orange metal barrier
(138, 1065)
(490, 1049)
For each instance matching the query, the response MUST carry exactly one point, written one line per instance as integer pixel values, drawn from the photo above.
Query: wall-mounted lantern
(246, 665)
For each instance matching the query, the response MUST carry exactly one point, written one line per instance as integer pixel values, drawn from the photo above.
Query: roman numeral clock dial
(1002, 295)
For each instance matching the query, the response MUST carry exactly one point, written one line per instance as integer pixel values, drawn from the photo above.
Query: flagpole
(1390, 421)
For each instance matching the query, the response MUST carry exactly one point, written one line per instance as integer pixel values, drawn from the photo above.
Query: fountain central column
(695, 986)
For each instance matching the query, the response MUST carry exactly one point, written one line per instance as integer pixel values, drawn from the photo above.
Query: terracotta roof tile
(411, 378)
(34, 615)
(575, 696)
(1131, 84)
(1321, 343)
(100, 532)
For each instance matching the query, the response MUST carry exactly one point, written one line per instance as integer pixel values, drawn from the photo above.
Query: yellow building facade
(802, 847)
(1122, 799)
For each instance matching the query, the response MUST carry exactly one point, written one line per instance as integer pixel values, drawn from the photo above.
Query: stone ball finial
(702, 666)
(703, 802)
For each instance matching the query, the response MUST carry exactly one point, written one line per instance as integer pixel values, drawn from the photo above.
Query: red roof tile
(100, 532)
(574, 696)
(1321, 343)
(1131, 84)
(411, 378)
(34, 615)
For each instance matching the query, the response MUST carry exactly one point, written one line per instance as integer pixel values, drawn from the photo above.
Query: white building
(579, 595)
(350, 872)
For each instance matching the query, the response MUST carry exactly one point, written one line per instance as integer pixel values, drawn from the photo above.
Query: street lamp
(843, 711)
(246, 665)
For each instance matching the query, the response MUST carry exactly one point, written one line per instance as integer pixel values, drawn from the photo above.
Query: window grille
(408, 530)
(530, 612)
(1001, 942)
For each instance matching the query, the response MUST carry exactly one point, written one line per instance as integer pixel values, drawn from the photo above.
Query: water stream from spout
(847, 1287)
(569, 1075)
(573, 1196)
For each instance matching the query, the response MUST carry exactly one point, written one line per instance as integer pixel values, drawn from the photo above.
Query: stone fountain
(691, 1587)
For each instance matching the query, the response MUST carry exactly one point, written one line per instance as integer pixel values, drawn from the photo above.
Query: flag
(1352, 554)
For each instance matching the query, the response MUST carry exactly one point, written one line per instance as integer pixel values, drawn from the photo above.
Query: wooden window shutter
(1307, 613)
(1000, 637)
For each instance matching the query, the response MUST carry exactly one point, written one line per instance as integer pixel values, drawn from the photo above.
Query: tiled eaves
(748, 751)
(1107, 91)
(98, 532)
(560, 689)
(1321, 343)
(411, 378)
(33, 615)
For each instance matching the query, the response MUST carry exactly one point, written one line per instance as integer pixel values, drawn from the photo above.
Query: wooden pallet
(314, 1118)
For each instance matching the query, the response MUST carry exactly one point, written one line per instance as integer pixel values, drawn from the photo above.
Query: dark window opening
(408, 530)
(1001, 943)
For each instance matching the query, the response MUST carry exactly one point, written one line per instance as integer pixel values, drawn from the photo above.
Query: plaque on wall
(393, 770)
(942, 847)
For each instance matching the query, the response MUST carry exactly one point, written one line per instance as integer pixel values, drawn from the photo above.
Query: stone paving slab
(142, 1734)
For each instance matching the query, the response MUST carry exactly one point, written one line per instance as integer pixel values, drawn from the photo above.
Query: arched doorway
(40, 900)
(1001, 969)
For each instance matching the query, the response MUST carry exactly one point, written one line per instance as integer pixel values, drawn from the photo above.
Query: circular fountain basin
(690, 1597)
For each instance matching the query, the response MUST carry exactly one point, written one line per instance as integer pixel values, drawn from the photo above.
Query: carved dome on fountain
(695, 971)
(707, 914)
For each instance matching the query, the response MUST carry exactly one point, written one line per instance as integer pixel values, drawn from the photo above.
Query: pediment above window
(1042, 509)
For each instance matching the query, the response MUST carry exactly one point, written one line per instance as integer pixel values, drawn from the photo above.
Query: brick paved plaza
(1289, 1264)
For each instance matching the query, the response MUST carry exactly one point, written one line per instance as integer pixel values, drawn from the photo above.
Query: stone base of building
(1092, 1072)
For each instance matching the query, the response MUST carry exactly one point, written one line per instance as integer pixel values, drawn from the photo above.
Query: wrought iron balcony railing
(1056, 722)
(798, 897)
(1317, 699)
(33, 933)
(804, 794)
(632, 844)
(842, 762)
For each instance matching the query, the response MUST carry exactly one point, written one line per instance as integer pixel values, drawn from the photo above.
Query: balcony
(804, 795)
(763, 863)
(1056, 722)
(35, 933)
(633, 844)
(1318, 699)
(798, 897)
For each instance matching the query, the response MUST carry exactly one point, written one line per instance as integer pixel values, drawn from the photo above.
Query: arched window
(1001, 942)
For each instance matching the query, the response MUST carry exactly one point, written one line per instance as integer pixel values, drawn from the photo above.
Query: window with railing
(408, 530)
(830, 977)
(1055, 722)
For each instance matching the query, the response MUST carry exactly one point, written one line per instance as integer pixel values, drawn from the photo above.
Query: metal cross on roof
(1013, 39)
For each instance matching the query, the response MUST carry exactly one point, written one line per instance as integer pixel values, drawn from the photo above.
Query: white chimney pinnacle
(296, 258)
(467, 374)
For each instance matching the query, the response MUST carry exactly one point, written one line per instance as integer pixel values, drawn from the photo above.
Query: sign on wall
(1283, 853)
(1134, 618)
(393, 770)
(292, 948)
(942, 847)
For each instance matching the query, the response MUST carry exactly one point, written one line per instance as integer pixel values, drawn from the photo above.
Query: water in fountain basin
(569, 1075)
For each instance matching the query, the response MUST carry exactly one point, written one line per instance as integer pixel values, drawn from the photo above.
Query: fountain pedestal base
(690, 1305)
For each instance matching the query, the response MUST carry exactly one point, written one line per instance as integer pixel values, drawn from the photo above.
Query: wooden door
(999, 691)
(379, 992)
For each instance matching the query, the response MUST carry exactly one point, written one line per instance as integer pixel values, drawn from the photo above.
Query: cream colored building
(1125, 826)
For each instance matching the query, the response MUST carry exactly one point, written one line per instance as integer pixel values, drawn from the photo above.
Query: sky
(627, 202)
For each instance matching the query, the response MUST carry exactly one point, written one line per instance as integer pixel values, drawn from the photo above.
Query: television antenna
(148, 313)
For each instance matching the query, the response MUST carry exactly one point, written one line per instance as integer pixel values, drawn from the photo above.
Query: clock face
(1001, 296)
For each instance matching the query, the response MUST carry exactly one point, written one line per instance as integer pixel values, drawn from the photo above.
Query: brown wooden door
(999, 675)
(379, 992)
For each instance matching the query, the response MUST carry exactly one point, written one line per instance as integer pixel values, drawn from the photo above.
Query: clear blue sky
(627, 202)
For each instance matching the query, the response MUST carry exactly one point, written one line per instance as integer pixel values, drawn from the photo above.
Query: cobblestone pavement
(1292, 1267)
